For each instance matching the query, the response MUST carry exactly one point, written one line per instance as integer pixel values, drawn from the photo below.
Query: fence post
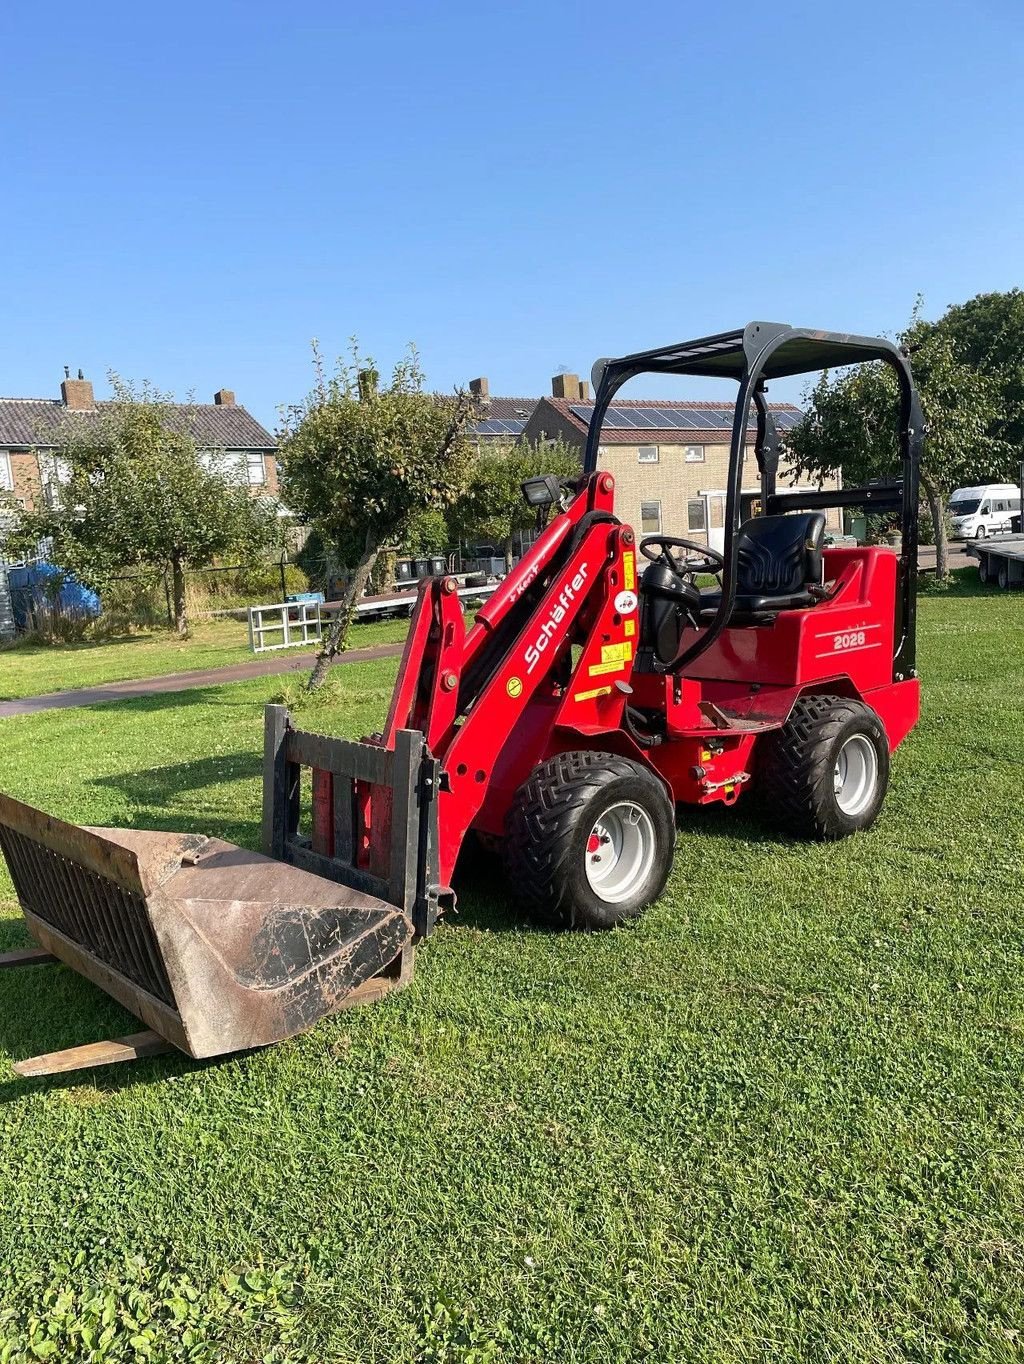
(280, 783)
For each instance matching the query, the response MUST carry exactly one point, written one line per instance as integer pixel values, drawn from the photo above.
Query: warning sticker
(630, 627)
(610, 653)
(629, 571)
(590, 695)
(599, 668)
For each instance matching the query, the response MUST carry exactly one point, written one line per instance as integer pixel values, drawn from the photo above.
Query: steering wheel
(699, 558)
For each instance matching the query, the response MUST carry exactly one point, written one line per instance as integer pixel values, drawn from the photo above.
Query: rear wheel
(589, 840)
(985, 572)
(826, 771)
(1003, 574)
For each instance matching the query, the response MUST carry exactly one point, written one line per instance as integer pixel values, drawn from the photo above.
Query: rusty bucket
(215, 947)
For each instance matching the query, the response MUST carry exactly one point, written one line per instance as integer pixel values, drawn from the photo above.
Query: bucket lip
(78, 843)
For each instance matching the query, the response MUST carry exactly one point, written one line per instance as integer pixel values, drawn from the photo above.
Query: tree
(361, 461)
(492, 507)
(134, 490)
(987, 333)
(851, 424)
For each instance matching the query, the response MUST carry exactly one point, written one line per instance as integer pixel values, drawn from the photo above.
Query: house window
(647, 454)
(255, 469)
(696, 514)
(53, 473)
(694, 454)
(650, 518)
(6, 477)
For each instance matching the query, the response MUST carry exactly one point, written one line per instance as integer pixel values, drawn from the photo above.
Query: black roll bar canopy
(774, 350)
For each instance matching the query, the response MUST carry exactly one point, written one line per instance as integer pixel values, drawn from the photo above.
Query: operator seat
(778, 563)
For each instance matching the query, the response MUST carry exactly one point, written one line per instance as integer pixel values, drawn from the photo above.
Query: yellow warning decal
(629, 571)
(611, 653)
(630, 627)
(590, 695)
(599, 668)
(514, 687)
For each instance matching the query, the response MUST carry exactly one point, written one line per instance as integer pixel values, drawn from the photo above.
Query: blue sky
(193, 191)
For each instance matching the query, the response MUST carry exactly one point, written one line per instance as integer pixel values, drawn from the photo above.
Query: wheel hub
(620, 852)
(855, 776)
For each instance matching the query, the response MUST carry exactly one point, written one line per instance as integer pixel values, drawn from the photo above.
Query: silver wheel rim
(856, 775)
(620, 852)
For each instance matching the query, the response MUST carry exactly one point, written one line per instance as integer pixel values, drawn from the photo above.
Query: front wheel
(981, 533)
(826, 771)
(589, 840)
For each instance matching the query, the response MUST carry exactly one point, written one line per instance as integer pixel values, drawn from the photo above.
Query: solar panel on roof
(639, 421)
(497, 427)
(624, 418)
(674, 420)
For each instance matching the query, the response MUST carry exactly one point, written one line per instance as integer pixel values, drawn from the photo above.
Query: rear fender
(897, 705)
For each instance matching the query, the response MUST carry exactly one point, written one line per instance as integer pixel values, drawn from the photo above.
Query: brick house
(498, 421)
(31, 427)
(670, 458)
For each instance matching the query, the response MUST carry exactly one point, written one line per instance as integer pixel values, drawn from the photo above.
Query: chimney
(479, 388)
(76, 394)
(224, 397)
(570, 386)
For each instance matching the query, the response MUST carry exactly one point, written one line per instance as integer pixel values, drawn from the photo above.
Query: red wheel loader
(599, 688)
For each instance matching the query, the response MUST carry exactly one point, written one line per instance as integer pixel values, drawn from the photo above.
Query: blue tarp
(33, 589)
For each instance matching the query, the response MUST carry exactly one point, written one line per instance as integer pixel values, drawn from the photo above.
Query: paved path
(211, 677)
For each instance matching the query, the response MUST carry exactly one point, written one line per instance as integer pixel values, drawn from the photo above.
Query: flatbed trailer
(1000, 559)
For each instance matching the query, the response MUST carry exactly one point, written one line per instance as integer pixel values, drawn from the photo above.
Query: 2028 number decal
(852, 639)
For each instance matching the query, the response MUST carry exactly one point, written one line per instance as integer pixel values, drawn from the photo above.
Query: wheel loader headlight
(543, 491)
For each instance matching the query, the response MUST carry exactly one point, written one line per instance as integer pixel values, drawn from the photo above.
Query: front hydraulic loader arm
(477, 696)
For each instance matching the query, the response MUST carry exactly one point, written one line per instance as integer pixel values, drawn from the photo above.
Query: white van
(988, 510)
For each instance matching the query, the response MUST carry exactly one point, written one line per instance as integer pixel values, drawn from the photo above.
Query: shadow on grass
(29, 647)
(158, 701)
(49, 1007)
(153, 702)
(155, 791)
(485, 899)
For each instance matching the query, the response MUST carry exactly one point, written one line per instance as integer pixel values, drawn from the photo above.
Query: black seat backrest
(779, 555)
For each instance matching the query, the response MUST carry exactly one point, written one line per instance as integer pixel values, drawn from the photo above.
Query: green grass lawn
(779, 1119)
(33, 669)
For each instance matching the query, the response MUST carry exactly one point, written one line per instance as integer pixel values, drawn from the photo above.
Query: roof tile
(40, 421)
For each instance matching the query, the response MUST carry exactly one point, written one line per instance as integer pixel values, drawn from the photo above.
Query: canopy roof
(729, 355)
